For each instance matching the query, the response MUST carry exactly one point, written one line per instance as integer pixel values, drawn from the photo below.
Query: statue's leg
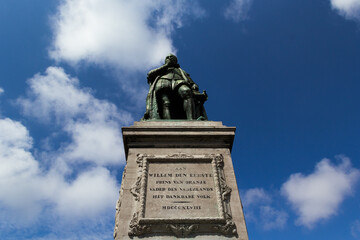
(189, 105)
(162, 88)
(165, 105)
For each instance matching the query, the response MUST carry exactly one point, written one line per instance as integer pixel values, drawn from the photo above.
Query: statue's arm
(151, 76)
(193, 85)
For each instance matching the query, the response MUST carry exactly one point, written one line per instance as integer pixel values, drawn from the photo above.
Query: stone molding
(178, 134)
(118, 205)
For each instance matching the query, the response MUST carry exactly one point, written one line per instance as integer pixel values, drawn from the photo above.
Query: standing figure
(173, 94)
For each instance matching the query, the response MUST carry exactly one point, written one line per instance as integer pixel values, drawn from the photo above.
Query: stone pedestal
(179, 182)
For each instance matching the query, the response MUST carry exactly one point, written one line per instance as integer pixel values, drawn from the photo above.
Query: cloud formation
(27, 190)
(255, 196)
(350, 9)
(17, 164)
(72, 181)
(238, 10)
(129, 35)
(259, 208)
(272, 218)
(317, 196)
(92, 124)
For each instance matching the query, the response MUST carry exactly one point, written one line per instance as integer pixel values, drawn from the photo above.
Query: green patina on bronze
(173, 94)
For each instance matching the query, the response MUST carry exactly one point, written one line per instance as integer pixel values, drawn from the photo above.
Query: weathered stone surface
(182, 187)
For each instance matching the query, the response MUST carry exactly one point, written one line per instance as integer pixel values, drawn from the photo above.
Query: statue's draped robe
(152, 108)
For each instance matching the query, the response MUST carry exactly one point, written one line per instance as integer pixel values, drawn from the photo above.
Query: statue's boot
(189, 108)
(166, 112)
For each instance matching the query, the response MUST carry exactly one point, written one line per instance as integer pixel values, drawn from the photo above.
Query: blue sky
(285, 73)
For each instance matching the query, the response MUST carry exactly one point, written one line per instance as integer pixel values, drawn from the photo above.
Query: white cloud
(93, 124)
(350, 9)
(317, 196)
(255, 196)
(55, 94)
(258, 208)
(238, 10)
(95, 142)
(29, 193)
(129, 35)
(272, 218)
(56, 185)
(88, 195)
(16, 163)
(69, 182)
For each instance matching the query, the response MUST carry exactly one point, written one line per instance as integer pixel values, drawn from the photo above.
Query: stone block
(179, 183)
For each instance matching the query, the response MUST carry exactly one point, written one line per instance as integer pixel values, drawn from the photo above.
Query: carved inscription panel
(179, 193)
(181, 189)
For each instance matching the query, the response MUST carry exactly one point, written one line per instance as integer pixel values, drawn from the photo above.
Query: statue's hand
(195, 87)
(168, 64)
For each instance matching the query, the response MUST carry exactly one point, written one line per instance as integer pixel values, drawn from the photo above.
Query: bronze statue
(173, 94)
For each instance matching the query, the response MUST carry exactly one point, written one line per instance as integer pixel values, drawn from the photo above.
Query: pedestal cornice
(178, 134)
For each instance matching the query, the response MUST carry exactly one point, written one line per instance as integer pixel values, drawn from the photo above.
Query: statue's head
(171, 58)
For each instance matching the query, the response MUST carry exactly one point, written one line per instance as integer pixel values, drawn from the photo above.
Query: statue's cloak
(152, 107)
